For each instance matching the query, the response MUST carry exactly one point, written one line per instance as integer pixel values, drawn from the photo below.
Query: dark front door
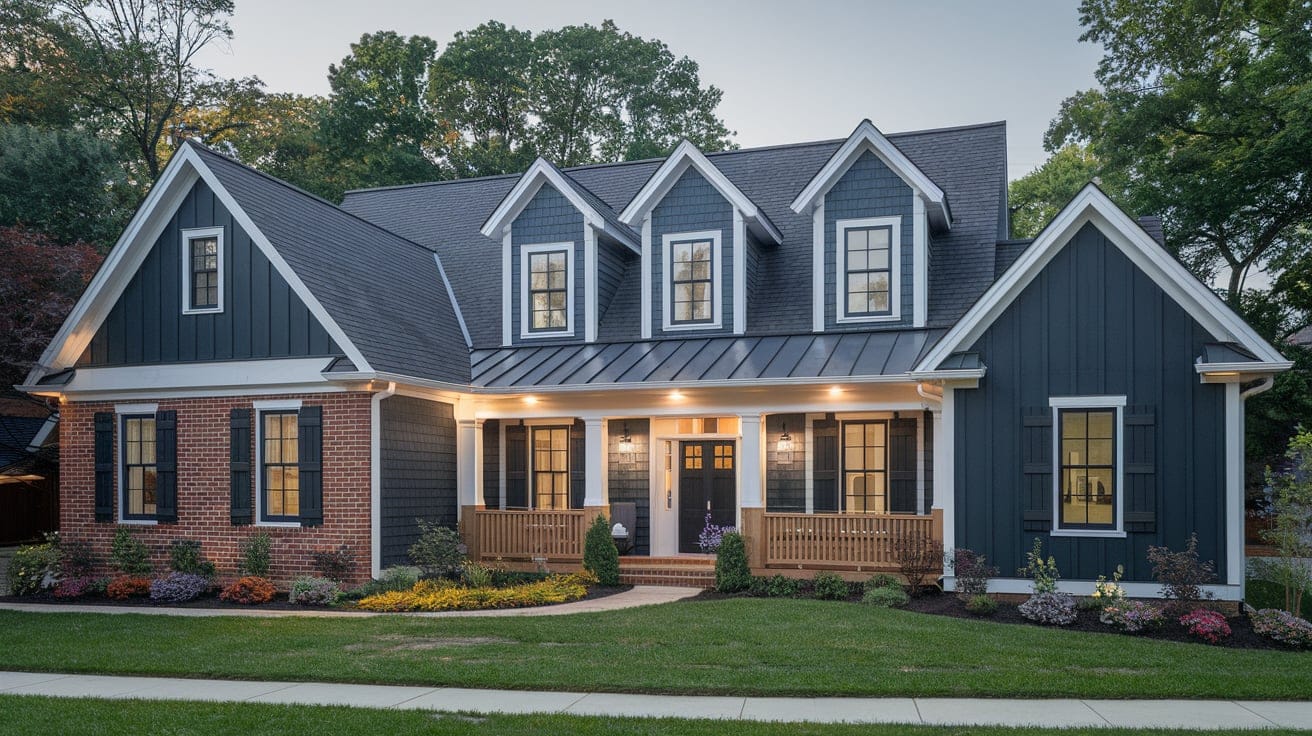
(706, 484)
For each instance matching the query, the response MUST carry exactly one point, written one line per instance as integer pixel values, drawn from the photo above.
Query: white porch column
(944, 464)
(751, 463)
(479, 501)
(594, 464)
(467, 455)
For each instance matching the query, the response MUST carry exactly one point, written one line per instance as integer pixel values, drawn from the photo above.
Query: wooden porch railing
(527, 535)
(852, 541)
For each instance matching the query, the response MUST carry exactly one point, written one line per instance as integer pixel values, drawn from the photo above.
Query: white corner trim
(277, 405)
(894, 223)
(717, 280)
(646, 277)
(455, 305)
(739, 273)
(376, 479)
(818, 267)
(589, 284)
(543, 171)
(1092, 206)
(1057, 403)
(506, 293)
(196, 233)
(525, 251)
(865, 138)
(919, 263)
(685, 156)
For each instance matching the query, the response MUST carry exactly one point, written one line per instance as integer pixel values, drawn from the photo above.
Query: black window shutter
(1036, 464)
(824, 467)
(310, 463)
(239, 466)
(516, 466)
(166, 467)
(577, 458)
(1140, 477)
(902, 466)
(104, 466)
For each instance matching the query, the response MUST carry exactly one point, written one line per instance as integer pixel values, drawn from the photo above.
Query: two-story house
(830, 345)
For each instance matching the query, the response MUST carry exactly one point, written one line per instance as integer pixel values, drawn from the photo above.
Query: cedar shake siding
(692, 205)
(418, 472)
(785, 483)
(204, 510)
(547, 218)
(630, 476)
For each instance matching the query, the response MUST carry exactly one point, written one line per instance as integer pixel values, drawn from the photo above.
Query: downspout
(1263, 385)
(376, 479)
(929, 396)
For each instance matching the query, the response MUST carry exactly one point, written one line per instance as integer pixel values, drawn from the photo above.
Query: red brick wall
(203, 496)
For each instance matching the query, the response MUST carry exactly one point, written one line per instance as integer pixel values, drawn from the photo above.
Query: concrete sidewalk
(1187, 714)
(639, 595)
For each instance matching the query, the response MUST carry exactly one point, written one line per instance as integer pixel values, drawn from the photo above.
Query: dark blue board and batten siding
(547, 218)
(869, 189)
(1091, 324)
(418, 472)
(261, 318)
(692, 205)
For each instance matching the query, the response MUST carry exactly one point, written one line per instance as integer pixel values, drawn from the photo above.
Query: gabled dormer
(873, 212)
(701, 237)
(562, 249)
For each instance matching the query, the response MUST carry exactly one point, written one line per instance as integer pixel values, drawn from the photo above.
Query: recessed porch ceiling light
(676, 394)
(835, 391)
(530, 400)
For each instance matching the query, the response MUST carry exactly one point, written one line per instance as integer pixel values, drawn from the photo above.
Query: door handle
(669, 499)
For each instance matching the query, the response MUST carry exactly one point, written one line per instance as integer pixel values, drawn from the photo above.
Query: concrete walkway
(639, 595)
(1187, 714)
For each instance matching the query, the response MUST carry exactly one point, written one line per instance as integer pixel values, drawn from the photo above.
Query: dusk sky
(790, 71)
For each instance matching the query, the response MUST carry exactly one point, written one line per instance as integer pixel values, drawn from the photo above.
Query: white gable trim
(867, 138)
(127, 255)
(1092, 206)
(687, 156)
(541, 172)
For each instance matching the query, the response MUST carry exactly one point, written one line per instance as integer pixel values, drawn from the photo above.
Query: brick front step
(697, 572)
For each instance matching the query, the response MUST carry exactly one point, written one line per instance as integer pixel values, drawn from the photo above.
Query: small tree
(600, 557)
(1182, 575)
(128, 554)
(917, 557)
(438, 551)
(1291, 535)
(256, 556)
(732, 573)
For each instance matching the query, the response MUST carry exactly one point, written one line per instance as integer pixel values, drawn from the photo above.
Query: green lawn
(733, 647)
(32, 716)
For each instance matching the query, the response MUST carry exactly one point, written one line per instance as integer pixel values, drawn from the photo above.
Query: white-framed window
(202, 270)
(546, 290)
(137, 463)
(865, 466)
(277, 463)
(693, 268)
(1088, 465)
(549, 456)
(868, 269)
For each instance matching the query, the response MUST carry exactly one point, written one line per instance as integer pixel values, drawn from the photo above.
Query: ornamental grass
(445, 595)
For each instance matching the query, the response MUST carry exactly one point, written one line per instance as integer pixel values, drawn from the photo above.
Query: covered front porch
(815, 477)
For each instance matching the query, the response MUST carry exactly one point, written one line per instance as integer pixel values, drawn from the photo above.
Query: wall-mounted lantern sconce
(784, 450)
(626, 445)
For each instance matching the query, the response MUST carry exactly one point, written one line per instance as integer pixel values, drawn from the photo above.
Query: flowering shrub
(711, 536)
(442, 595)
(127, 586)
(251, 590)
(314, 592)
(178, 587)
(1132, 616)
(1051, 609)
(1109, 592)
(76, 587)
(1044, 572)
(1209, 626)
(33, 568)
(1283, 627)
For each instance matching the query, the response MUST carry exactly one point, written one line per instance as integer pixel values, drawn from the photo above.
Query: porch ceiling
(836, 356)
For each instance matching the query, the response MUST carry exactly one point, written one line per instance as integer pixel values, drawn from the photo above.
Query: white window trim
(189, 235)
(1057, 403)
(120, 411)
(260, 408)
(525, 251)
(894, 268)
(717, 280)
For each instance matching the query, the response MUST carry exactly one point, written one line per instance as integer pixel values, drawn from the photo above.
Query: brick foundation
(203, 495)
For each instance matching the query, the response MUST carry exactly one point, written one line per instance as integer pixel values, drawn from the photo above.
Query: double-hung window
(547, 284)
(1087, 438)
(868, 253)
(691, 284)
(865, 466)
(139, 471)
(550, 467)
(202, 270)
(279, 466)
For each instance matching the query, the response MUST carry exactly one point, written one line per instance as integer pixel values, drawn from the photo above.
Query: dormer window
(202, 270)
(691, 293)
(868, 259)
(548, 282)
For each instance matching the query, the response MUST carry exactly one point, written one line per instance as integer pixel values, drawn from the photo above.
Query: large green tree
(1206, 109)
(1038, 196)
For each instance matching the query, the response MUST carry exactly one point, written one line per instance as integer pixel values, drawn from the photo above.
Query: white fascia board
(1092, 206)
(867, 137)
(684, 156)
(119, 267)
(963, 374)
(252, 374)
(542, 171)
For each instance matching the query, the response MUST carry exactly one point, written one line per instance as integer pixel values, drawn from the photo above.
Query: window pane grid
(1087, 475)
(280, 457)
(548, 295)
(551, 467)
(868, 270)
(692, 291)
(204, 272)
(865, 467)
(139, 468)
